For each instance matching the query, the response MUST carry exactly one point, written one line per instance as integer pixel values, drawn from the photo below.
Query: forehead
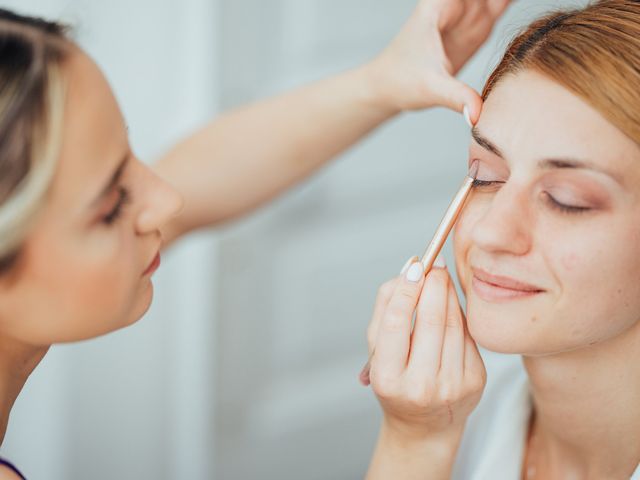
(529, 116)
(94, 133)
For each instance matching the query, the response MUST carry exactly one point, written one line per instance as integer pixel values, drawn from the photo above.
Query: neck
(587, 405)
(17, 361)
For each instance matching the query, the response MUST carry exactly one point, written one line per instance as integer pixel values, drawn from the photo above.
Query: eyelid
(109, 201)
(124, 198)
(478, 182)
(487, 172)
(564, 208)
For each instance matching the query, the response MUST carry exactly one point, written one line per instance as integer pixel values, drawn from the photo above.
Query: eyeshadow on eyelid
(578, 185)
(577, 196)
(565, 196)
(487, 174)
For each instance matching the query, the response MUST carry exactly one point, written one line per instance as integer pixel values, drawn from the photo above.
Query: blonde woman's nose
(161, 203)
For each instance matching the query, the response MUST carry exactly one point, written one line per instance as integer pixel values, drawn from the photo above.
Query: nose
(505, 227)
(160, 202)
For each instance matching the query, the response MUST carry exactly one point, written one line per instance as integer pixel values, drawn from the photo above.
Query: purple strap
(12, 467)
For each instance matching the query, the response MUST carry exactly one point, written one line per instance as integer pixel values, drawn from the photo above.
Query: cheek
(600, 279)
(570, 261)
(106, 274)
(93, 285)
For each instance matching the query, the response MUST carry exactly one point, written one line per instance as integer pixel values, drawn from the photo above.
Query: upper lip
(504, 282)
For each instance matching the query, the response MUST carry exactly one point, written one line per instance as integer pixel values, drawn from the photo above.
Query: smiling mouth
(494, 288)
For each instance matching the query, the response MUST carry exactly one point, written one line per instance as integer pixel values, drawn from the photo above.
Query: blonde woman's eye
(124, 198)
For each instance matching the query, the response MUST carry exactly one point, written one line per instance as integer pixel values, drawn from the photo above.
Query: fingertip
(410, 262)
(472, 108)
(365, 375)
(415, 272)
(467, 117)
(437, 274)
(440, 262)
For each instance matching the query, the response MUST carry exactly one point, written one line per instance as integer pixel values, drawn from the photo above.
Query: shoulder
(7, 473)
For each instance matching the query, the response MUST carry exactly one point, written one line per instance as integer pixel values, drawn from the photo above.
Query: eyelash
(552, 202)
(561, 207)
(123, 200)
(485, 183)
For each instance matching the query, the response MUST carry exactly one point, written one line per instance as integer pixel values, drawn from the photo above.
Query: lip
(495, 288)
(153, 266)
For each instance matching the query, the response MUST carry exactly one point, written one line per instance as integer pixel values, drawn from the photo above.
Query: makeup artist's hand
(427, 382)
(417, 69)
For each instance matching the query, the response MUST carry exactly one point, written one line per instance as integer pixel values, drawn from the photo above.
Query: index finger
(392, 343)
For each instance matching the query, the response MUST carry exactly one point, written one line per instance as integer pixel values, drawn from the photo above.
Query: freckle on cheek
(534, 319)
(570, 261)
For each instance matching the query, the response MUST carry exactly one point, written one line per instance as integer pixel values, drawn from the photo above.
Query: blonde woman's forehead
(94, 134)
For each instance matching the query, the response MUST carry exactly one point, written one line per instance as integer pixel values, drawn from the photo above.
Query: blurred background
(246, 365)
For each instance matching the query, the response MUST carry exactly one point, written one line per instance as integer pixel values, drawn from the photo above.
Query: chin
(505, 332)
(137, 311)
(142, 305)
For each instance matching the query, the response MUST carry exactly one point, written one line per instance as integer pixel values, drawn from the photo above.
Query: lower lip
(153, 267)
(494, 293)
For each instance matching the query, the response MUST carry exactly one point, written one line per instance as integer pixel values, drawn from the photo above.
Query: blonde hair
(593, 51)
(32, 97)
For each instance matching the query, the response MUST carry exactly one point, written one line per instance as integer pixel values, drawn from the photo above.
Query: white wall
(246, 366)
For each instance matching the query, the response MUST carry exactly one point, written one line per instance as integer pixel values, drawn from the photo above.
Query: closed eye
(564, 208)
(486, 183)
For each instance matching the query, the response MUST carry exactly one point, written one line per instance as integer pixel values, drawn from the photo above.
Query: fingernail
(440, 262)
(415, 272)
(408, 264)
(465, 113)
(365, 375)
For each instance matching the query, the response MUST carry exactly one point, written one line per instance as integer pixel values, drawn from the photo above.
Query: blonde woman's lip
(153, 266)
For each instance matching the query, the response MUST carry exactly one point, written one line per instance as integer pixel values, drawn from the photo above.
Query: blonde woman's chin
(97, 326)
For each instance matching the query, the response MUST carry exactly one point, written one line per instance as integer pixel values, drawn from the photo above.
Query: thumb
(451, 93)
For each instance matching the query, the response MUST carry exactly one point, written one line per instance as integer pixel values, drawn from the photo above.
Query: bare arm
(249, 155)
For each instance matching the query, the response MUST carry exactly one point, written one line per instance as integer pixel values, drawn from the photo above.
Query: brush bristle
(473, 169)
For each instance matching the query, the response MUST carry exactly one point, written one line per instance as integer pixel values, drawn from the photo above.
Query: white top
(493, 444)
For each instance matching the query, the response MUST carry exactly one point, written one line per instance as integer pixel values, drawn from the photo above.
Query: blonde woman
(547, 254)
(82, 220)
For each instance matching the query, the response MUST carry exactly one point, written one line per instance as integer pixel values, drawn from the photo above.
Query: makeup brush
(438, 240)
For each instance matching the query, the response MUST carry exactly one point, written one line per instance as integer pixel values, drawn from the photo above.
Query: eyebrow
(114, 179)
(547, 164)
(485, 143)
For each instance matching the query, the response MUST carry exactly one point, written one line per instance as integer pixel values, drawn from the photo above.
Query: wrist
(375, 89)
(403, 454)
(443, 442)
